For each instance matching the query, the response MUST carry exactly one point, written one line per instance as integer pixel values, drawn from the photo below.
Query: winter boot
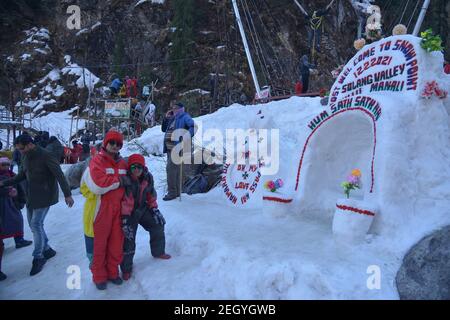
(126, 276)
(101, 285)
(49, 253)
(22, 243)
(117, 281)
(164, 256)
(169, 197)
(2, 276)
(38, 265)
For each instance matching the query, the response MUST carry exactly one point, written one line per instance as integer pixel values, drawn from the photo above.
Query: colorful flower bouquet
(432, 88)
(353, 182)
(273, 185)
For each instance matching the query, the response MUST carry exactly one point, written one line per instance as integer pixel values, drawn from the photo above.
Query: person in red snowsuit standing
(107, 178)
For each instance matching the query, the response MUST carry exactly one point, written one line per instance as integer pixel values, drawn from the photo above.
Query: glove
(125, 181)
(157, 215)
(128, 231)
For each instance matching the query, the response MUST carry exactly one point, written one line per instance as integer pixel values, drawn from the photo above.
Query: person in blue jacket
(176, 118)
(115, 86)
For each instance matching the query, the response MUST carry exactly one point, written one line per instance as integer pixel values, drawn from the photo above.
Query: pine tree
(119, 56)
(183, 38)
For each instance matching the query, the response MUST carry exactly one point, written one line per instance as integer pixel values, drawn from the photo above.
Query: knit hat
(113, 135)
(4, 159)
(179, 105)
(136, 159)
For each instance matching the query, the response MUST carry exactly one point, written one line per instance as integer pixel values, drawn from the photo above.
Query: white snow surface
(222, 251)
(89, 79)
(57, 124)
(152, 1)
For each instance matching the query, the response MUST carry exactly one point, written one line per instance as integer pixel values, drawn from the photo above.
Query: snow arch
(345, 141)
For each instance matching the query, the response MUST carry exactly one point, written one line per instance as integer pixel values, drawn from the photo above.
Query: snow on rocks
(152, 1)
(84, 78)
(87, 30)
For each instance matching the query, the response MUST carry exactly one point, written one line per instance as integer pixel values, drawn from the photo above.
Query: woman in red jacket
(107, 177)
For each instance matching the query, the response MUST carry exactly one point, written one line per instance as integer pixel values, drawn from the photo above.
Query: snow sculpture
(376, 121)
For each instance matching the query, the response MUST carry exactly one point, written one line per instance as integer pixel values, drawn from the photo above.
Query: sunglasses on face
(115, 143)
(4, 164)
(136, 166)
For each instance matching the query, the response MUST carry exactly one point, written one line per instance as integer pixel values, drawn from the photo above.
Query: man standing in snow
(304, 71)
(42, 172)
(106, 177)
(176, 118)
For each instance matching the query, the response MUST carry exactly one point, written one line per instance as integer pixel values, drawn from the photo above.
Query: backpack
(196, 184)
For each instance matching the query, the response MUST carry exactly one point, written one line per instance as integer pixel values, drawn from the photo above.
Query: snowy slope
(217, 254)
(219, 251)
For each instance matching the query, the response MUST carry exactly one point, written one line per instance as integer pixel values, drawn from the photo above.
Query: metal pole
(70, 135)
(247, 51)
(360, 22)
(421, 17)
(181, 174)
(89, 104)
(301, 8)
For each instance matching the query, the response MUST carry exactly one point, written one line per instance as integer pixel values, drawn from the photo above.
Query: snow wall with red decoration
(377, 120)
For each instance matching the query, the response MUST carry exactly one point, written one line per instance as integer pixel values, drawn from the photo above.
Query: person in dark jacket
(139, 206)
(43, 173)
(55, 148)
(176, 118)
(42, 138)
(316, 27)
(12, 200)
(304, 71)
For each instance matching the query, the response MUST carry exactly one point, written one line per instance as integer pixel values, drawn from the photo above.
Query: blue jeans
(36, 219)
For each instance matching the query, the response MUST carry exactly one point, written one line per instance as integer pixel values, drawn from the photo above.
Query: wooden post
(78, 117)
(71, 126)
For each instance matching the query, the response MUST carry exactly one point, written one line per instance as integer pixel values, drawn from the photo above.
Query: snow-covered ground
(217, 253)
(265, 250)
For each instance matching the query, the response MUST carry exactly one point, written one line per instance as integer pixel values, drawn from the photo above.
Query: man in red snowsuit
(107, 178)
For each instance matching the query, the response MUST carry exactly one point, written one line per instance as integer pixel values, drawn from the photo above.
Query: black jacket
(42, 172)
(55, 148)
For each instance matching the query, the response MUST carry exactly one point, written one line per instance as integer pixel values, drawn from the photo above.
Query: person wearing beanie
(106, 177)
(11, 220)
(12, 200)
(42, 171)
(139, 206)
(175, 119)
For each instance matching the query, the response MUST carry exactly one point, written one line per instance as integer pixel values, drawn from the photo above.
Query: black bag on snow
(196, 184)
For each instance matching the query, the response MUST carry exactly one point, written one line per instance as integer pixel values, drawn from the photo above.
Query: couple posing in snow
(119, 195)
